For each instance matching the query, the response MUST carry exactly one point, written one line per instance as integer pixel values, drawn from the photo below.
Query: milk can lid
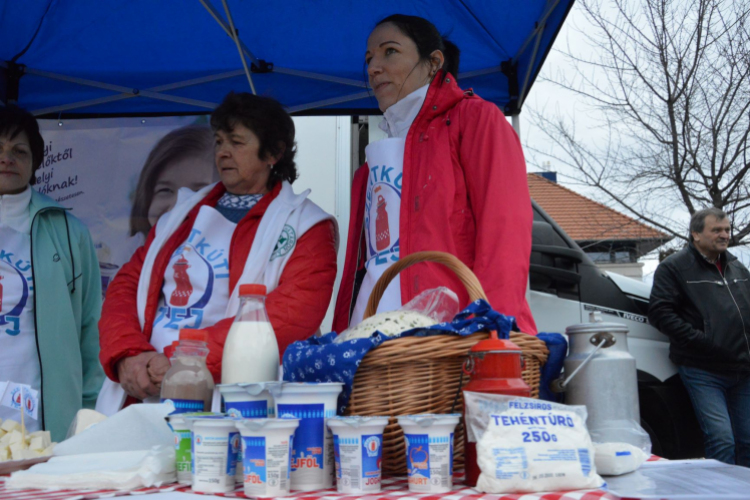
(596, 325)
(493, 344)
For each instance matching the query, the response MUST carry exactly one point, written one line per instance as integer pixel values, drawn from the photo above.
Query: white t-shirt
(385, 160)
(19, 359)
(196, 284)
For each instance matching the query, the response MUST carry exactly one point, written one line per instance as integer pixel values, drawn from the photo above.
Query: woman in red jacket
(450, 177)
(249, 228)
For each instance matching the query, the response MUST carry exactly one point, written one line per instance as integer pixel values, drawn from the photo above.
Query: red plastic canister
(494, 366)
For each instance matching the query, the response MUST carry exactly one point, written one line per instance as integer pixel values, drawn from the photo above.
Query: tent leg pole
(516, 121)
(236, 38)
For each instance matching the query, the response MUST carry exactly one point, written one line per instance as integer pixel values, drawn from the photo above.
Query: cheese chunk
(45, 436)
(48, 451)
(4, 453)
(37, 444)
(5, 440)
(15, 451)
(85, 418)
(28, 454)
(16, 438)
(10, 425)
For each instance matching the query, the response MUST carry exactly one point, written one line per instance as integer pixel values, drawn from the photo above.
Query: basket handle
(467, 277)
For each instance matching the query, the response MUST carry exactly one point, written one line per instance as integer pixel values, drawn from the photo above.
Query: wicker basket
(413, 375)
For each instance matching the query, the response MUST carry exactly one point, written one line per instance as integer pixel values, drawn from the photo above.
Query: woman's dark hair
(427, 38)
(13, 121)
(193, 141)
(267, 119)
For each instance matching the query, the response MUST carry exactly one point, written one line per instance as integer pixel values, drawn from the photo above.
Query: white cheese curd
(388, 323)
(613, 459)
(534, 450)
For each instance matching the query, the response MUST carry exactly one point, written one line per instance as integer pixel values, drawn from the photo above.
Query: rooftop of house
(585, 219)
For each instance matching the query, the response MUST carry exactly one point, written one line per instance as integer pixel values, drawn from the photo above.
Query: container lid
(429, 419)
(256, 388)
(252, 289)
(311, 388)
(222, 421)
(596, 325)
(356, 422)
(230, 389)
(194, 334)
(258, 425)
(494, 344)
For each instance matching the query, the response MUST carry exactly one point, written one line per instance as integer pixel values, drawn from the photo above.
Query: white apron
(287, 218)
(385, 159)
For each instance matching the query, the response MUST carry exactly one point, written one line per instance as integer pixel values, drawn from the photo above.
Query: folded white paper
(137, 427)
(112, 471)
(131, 449)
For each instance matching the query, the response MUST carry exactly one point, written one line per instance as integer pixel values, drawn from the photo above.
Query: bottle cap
(194, 334)
(253, 289)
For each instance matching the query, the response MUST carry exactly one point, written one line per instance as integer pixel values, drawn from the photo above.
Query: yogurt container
(429, 451)
(267, 454)
(250, 400)
(215, 447)
(312, 454)
(182, 446)
(358, 451)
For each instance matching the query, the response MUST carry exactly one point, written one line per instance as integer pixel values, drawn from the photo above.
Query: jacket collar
(442, 95)
(41, 201)
(725, 257)
(400, 116)
(14, 210)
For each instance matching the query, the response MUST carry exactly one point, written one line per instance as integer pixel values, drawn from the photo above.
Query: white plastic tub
(182, 446)
(429, 451)
(249, 400)
(215, 446)
(358, 450)
(267, 453)
(312, 455)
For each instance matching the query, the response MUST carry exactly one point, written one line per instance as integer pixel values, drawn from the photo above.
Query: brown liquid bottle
(188, 383)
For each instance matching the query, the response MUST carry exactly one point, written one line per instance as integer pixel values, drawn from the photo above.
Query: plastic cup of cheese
(182, 445)
(267, 453)
(251, 400)
(358, 450)
(260, 393)
(429, 451)
(215, 447)
(312, 454)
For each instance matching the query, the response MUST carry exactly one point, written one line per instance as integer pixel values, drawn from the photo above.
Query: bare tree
(669, 81)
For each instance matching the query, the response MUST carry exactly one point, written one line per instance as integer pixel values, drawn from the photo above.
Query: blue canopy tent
(79, 58)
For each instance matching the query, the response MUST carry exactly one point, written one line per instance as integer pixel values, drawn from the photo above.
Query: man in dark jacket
(701, 301)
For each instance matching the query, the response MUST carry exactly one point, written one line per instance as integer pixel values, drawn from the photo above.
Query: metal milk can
(601, 374)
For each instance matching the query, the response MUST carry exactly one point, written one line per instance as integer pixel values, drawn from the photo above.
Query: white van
(566, 285)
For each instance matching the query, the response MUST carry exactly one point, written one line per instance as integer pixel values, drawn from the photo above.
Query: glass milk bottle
(188, 383)
(251, 353)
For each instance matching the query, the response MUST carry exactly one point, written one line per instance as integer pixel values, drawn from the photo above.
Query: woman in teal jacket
(50, 289)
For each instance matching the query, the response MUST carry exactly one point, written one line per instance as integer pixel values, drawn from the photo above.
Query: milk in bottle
(251, 353)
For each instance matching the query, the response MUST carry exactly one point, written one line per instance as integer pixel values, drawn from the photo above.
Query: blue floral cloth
(318, 359)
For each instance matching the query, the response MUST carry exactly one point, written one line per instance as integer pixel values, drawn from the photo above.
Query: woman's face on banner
(241, 170)
(193, 173)
(15, 163)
